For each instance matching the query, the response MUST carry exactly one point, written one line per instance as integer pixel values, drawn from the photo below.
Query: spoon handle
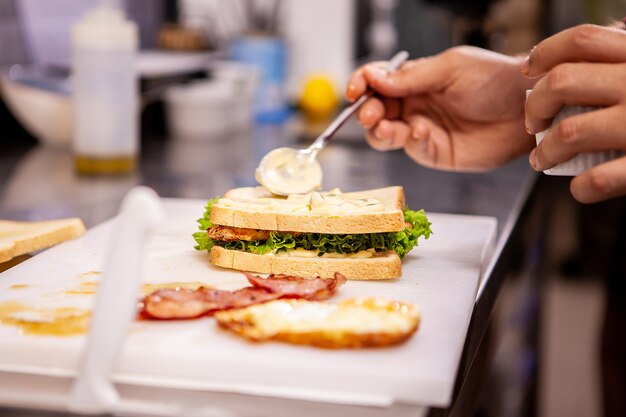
(321, 141)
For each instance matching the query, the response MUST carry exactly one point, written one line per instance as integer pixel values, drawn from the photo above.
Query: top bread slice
(18, 238)
(389, 219)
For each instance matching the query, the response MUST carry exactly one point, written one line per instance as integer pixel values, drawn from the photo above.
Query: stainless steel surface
(39, 183)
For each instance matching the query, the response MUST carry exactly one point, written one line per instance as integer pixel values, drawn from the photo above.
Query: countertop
(38, 183)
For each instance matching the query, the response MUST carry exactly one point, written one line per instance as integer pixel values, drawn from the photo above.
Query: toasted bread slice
(382, 266)
(257, 208)
(18, 238)
(352, 323)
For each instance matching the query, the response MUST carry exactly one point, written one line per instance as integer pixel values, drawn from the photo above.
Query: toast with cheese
(362, 235)
(371, 211)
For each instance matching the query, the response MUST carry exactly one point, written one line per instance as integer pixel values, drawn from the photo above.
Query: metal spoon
(285, 171)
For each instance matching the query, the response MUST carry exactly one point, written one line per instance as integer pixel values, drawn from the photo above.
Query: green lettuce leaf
(400, 242)
(204, 223)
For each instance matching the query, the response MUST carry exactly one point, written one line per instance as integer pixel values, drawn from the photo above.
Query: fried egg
(353, 323)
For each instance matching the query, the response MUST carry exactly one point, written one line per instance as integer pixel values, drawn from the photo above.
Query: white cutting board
(441, 276)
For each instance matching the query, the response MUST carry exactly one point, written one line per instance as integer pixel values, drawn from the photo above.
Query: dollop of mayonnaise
(285, 171)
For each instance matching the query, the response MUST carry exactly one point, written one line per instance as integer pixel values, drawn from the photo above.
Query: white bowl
(46, 110)
(209, 109)
(45, 114)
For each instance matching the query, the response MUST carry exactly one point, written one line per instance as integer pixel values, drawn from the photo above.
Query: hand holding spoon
(285, 171)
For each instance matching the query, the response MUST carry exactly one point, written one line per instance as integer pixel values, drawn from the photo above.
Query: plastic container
(269, 55)
(209, 109)
(580, 162)
(105, 92)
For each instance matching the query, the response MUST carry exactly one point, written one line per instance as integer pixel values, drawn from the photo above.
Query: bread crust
(18, 238)
(387, 266)
(391, 219)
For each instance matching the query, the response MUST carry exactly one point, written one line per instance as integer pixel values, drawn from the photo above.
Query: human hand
(584, 65)
(460, 110)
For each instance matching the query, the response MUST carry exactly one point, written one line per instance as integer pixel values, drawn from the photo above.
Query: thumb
(419, 76)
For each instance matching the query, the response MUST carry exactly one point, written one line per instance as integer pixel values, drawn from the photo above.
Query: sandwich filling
(263, 242)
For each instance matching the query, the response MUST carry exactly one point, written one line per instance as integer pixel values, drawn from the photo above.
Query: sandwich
(362, 235)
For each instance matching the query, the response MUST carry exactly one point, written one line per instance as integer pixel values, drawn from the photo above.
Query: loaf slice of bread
(383, 266)
(18, 238)
(256, 208)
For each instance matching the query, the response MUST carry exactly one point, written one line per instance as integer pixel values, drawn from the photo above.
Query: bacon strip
(185, 303)
(296, 287)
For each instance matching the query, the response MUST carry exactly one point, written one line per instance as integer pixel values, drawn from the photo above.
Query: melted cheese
(357, 316)
(337, 324)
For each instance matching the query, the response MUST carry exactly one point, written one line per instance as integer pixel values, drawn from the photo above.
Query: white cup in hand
(582, 161)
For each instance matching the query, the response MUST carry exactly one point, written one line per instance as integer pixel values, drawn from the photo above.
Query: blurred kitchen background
(301, 52)
(208, 68)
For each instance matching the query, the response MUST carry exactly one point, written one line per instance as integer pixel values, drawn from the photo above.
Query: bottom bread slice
(382, 266)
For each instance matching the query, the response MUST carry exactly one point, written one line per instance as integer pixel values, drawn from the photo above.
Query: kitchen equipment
(42, 104)
(208, 109)
(105, 89)
(268, 54)
(286, 171)
(193, 367)
(115, 307)
(331, 51)
(583, 161)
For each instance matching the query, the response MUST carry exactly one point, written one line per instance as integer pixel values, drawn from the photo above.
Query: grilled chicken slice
(231, 234)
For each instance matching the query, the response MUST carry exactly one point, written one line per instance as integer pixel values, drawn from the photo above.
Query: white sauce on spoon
(286, 171)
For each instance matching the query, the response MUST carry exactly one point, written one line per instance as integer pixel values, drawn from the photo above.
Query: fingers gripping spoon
(286, 171)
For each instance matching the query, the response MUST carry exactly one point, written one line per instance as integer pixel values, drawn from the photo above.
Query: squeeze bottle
(105, 90)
